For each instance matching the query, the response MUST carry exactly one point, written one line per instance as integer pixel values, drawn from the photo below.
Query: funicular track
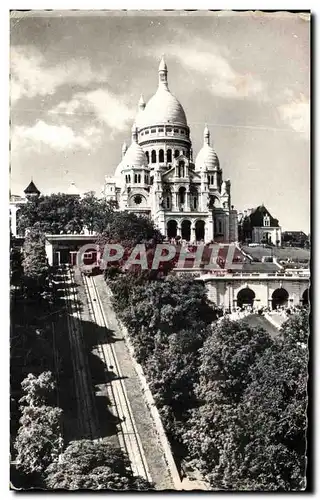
(128, 436)
(85, 406)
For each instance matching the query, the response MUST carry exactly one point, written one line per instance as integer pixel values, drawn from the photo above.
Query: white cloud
(107, 107)
(59, 138)
(219, 76)
(296, 114)
(31, 76)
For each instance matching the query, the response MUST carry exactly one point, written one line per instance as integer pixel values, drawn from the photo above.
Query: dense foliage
(232, 399)
(93, 465)
(63, 213)
(39, 440)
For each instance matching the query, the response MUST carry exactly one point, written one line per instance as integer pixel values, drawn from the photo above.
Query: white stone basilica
(158, 177)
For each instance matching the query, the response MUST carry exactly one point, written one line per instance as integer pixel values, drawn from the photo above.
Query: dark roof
(257, 215)
(31, 189)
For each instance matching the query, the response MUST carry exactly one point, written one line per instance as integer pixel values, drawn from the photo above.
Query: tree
(37, 390)
(35, 265)
(250, 433)
(225, 361)
(16, 270)
(38, 441)
(93, 465)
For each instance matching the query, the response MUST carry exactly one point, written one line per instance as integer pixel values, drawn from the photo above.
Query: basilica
(158, 176)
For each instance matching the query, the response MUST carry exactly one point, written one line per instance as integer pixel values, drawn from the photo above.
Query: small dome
(135, 156)
(207, 157)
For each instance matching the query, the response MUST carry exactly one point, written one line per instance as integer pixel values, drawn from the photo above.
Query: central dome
(163, 108)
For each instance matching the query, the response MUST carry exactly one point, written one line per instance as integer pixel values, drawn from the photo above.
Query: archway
(186, 230)
(305, 298)
(279, 298)
(172, 228)
(245, 297)
(200, 225)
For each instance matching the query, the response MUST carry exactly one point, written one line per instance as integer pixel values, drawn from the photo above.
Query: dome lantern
(163, 74)
(206, 136)
(124, 149)
(141, 103)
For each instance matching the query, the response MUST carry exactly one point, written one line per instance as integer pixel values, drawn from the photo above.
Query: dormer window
(266, 221)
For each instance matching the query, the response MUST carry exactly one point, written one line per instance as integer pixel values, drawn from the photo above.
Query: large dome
(207, 157)
(162, 108)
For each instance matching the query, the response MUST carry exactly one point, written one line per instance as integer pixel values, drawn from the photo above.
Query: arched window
(153, 156)
(176, 153)
(161, 156)
(168, 201)
(147, 155)
(181, 169)
(169, 155)
(129, 178)
(135, 178)
(182, 195)
(139, 178)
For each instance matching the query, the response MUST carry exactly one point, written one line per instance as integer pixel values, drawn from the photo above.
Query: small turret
(124, 149)
(141, 104)
(134, 132)
(163, 74)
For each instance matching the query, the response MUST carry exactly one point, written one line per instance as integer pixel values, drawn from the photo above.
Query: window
(169, 129)
(160, 129)
(146, 132)
(181, 169)
(176, 153)
(137, 199)
(266, 221)
(153, 131)
(153, 156)
(129, 179)
(151, 181)
(161, 156)
(195, 202)
(142, 133)
(135, 178)
(147, 155)
(168, 201)
(146, 179)
(182, 132)
(176, 130)
(139, 178)
(220, 226)
(169, 155)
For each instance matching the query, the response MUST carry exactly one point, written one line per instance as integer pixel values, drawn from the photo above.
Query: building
(158, 177)
(256, 225)
(295, 239)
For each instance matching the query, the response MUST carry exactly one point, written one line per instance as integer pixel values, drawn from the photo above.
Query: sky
(76, 81)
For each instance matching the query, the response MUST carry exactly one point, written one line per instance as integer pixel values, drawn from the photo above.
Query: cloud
(107, 107)
(219, 76)
(59, 138)
(296, 114)
(32, 76)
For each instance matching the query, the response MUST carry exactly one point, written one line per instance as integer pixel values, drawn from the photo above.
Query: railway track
(85, 406)
(128, 436)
